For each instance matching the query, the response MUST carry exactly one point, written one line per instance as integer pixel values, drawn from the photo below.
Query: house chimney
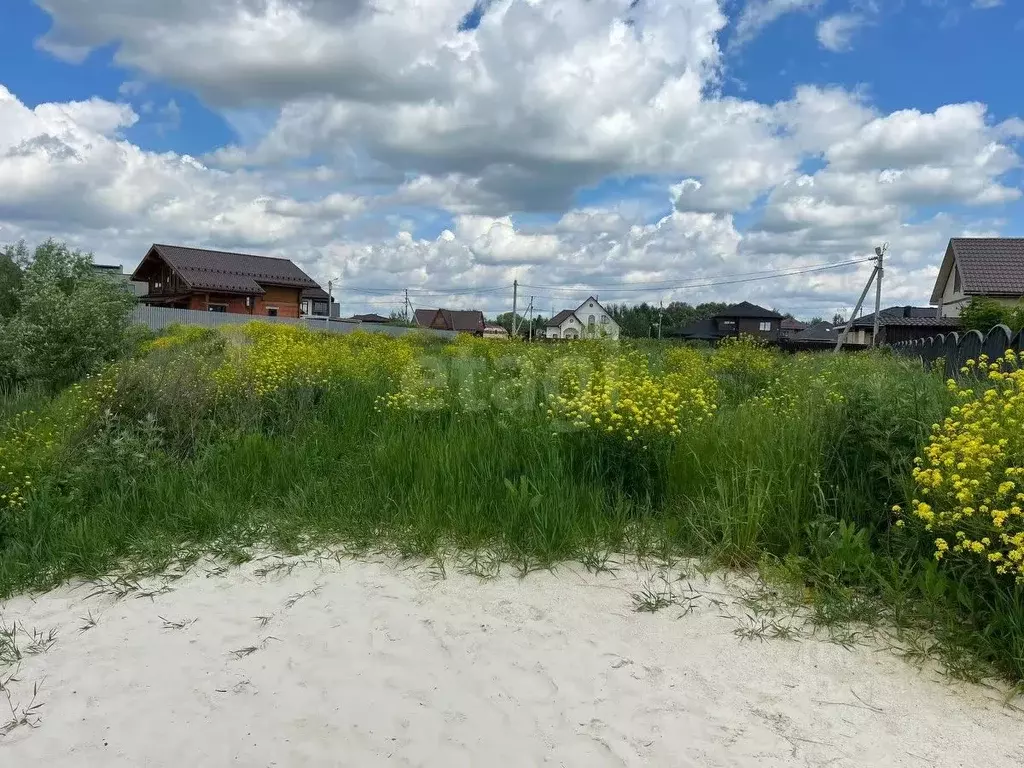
(907, 311)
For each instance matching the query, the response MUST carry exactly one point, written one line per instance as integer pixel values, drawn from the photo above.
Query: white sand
(388, 665)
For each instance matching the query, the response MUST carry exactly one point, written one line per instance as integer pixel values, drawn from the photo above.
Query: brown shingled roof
(466, 320)
(989, 266)
(228, 272)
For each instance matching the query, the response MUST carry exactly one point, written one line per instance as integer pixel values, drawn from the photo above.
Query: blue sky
(587, 190)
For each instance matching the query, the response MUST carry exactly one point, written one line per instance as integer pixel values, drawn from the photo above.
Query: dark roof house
(743, 318)
(817, 336)
(900, 324)
(990, 267)
(460, 320)
(220, 281)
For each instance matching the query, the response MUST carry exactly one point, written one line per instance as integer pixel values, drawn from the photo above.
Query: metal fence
(955, 349)
(158, 318)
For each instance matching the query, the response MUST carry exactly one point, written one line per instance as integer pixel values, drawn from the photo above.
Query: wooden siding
(749, 326)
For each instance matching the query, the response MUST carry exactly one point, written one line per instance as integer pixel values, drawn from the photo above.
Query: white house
(588, 321)
(989, 267)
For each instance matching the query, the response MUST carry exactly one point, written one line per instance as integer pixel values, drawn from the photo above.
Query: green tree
(69, 321)
(12, 257)
(982, 314)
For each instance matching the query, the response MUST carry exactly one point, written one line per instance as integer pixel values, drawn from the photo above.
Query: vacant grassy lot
(527, 455)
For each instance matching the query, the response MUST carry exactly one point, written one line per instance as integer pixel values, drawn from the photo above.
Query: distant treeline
(641, 320)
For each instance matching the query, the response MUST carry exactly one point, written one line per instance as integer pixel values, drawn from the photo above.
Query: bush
(68, 322)
(983, 314)
(970, 478)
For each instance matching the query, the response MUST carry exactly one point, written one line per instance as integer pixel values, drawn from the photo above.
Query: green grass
(14, 399)
(800, 493)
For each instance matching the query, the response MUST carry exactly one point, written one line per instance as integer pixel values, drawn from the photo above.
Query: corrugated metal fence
(158, 318)
(955, 349)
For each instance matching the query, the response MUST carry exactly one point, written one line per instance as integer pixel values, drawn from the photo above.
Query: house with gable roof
(987, 267)
(589, 320)
(738, 319)
(220, 281)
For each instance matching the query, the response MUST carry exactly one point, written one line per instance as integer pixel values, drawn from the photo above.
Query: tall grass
(796, 473)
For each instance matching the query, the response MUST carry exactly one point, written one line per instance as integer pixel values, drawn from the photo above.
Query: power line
(425, 292)
(383, 294)
(708, 283)
(702, 282)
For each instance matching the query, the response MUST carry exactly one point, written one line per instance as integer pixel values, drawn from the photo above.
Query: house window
(271, 311)
(604, 319)
(217, 307)
(590, 321)
(728, 324)
(956, 280)
(305, 307)
(765, 326)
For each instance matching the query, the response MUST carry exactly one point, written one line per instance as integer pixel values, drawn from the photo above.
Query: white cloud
(836, 32)
(985, 4)
(363, 125)
(758, 14)
(64, 167)
(131, 88)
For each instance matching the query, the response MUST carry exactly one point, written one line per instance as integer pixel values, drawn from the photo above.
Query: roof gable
(424, 317)
(989, 266)
(471, 320)
(598, 303)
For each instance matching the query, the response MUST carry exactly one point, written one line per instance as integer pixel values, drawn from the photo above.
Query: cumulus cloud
(64, 167)
(836, 32)
(368, 128)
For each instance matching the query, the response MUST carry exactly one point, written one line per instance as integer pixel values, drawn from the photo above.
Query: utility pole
(876, 272)
(330, 302)
(661, 307)
(880, 253)
(515, 298)
(405, 307)
(531, 318)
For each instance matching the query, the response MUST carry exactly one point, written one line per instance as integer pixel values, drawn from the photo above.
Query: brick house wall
(286, 300)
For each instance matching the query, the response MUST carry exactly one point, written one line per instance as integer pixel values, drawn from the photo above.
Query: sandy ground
(382, 664)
